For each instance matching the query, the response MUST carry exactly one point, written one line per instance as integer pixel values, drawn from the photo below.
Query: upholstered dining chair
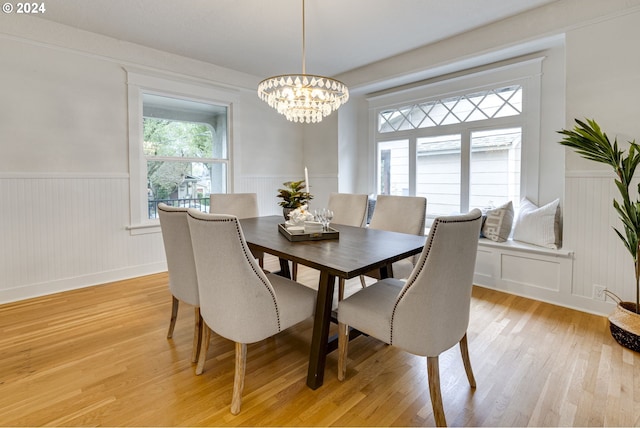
(238, 300)
(183, 282)
(349, 209)
(427, 314)
(241, 205)
(404, 214)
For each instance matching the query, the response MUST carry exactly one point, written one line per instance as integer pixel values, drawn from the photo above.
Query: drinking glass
(318, 215)
(328, 217)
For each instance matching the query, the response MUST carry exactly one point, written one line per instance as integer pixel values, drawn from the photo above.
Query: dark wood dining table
(357, 251)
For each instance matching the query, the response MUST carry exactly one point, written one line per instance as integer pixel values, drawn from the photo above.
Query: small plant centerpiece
(294, 195)
(588, 141)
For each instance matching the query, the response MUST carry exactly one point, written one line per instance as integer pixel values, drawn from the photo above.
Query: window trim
(527, 73)
(139, 82)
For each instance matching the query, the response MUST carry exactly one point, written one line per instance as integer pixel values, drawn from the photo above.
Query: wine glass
(318, 215)
(328, 215)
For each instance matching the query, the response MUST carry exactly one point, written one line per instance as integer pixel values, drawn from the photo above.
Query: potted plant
(591, 143)
(293, 196)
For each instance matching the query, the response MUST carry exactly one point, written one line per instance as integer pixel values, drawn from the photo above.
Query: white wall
(64, 163)
(321, 159)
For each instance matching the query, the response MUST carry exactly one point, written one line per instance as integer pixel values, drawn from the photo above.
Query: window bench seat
(525, 248)
(524, 269)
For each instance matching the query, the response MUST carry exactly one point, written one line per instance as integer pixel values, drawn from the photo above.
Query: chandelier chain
(304, 45)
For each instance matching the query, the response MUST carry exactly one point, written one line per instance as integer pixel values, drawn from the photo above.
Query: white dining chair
(403, 214)
(238, 300)
(349, 209)
(241, 205)
(183, 281)
(427, 314)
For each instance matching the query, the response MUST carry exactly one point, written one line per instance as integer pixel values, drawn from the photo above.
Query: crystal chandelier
(304, 98)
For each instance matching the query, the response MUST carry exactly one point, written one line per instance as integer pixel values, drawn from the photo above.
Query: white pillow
(539, 226)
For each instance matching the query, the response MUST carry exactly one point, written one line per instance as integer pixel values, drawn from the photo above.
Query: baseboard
(578, 303)
(57, 286)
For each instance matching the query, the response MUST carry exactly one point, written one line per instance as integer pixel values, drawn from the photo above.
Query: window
(180, 148)
(488, 104)
(438, 172)
(185, 146)
(393, 165)
(461, 149)
(495, 167)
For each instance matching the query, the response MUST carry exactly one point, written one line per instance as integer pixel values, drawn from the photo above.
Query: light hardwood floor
(99, 356)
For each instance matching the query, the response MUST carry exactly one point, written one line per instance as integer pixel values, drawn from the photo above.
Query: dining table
(355, 251)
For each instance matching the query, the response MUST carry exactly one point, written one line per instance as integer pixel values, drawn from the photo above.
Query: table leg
(320, 338)
(386, 271)
(284, 269)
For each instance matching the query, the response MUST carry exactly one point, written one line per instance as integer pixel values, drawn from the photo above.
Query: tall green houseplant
(591, 143)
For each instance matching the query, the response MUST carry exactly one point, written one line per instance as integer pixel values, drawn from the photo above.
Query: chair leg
(464, 349)
(174, 315)
(433, 372)
(204, 345)
(340, 288)
(364, 284)
(343, 343)
(261, 262)
(294, 271)
(197, 335)
(238, 379)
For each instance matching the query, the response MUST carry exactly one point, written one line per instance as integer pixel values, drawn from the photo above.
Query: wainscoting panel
(525, 270)
(589, 219)
(266, 187)
(68, 231)
(65, 231)
(485, 265)
(533, 272)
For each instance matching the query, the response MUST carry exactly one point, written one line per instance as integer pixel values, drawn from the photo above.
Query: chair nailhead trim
(246, 255)
(434, 228)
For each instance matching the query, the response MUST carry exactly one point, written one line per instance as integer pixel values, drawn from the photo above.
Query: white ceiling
(264, 37)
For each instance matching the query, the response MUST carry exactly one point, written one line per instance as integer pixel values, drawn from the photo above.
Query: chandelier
(304, 98)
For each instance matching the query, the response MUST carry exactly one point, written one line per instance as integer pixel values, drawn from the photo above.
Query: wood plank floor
(99, 356)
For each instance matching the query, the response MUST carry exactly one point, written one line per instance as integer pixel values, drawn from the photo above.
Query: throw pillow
(539, 225)
(497, 225)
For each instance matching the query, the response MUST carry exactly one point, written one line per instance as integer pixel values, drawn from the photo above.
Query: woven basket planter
(625, 325)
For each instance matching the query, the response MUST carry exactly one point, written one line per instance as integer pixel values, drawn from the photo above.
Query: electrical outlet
(598, 292)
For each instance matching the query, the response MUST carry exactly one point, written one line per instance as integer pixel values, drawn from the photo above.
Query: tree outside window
(185, 148)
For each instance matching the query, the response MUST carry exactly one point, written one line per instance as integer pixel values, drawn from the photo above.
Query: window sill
(143, 229)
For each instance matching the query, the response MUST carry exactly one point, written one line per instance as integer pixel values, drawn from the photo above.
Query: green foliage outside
(179, 140)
